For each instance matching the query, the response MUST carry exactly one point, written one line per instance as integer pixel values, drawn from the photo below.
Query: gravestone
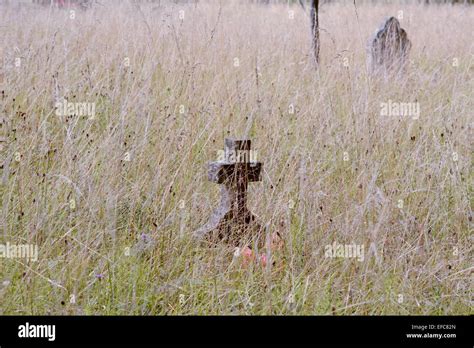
(232, 220)
(389, 48)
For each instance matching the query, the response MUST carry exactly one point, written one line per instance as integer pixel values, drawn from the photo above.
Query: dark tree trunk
(315, 28)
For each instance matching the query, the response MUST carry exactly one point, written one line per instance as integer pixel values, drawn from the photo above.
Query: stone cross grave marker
(232, 220)
(389, 48)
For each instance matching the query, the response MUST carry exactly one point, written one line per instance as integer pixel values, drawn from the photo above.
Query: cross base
(228, 223)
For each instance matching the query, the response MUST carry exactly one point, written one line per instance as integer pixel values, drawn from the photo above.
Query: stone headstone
(389, 48)
(232, 220)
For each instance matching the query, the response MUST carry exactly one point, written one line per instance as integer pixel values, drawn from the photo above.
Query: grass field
(112, 200)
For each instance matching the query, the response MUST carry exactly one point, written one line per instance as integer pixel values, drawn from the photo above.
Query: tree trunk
(315, 28)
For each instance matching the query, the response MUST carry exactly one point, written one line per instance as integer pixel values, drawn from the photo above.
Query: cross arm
(219, 172)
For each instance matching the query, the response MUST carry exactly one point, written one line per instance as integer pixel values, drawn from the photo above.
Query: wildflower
(263, 260)
(248, 256)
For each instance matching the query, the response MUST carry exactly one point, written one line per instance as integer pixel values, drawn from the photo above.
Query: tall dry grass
(133, 178)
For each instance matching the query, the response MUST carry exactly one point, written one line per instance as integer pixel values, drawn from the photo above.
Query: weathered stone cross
(232, 220)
